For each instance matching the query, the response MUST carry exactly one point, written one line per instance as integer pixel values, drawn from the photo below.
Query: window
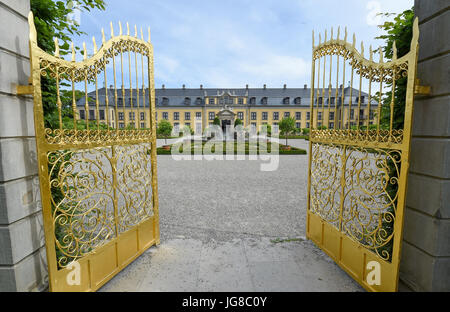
(112, 115)
(320, 100)
(176, 116)
(253, 101)
(121, 125)
(298, 100)
(82, 116)
(198, 115)
(120, 101)
(187, 124)
(352, 114)
(212, 115)
(240, 115)
(132, 125)
(331, 125)
(264, 101)
(102, 114)
(361, 113)
(372, 114)
(287, 114)
(142, 124)
(187, 101)
(165, 101)
(276, 115)
(176, 127)
(307, 125)
(198, 101)
(131, 115)
(333, 100)
(298, 116)
(156, 116)
(253, 116)
(253, 126)
(319, 124)
(286, 101)
(241, 101)
(211, 101)
(187, 116)
(264, 116)
(165, 115)
(156, 101)
(331, 116)
(319, 115)
(142, 116)
(120, 115)
(297, 125)
(275, 128)
(308, 117)
(91, 114)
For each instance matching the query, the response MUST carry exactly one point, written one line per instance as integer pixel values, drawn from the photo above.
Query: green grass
(195, 149)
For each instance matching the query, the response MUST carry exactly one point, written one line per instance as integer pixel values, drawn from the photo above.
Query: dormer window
(165, 101)
(198, 101)
(298, 100)
(286, 101)
(264, 100)
(187, 101)
(253, 100)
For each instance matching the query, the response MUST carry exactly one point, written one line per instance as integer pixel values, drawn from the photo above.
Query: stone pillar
(425, 263)
(22, 254)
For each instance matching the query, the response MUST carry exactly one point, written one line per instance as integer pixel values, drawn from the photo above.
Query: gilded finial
(142, 34)
(415, 37)
(394, 51)
(73, 52)
(56, 47)
(320, 38)
(112, 30)
(120, 29)
(95, 44)
(135, 31)
(381, 55)
(313, 38)
(85, 51)
(33, 33)
(362, 49)
(331, 34)
(371, 53)
(149, 35)
(354, 41)
(338, 33)
(345, 37)
(325, 39)
(128, 29)
(103, 36)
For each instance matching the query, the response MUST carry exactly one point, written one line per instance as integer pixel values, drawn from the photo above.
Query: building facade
(197, 108)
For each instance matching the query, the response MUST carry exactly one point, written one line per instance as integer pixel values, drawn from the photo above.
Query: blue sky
(230, 43)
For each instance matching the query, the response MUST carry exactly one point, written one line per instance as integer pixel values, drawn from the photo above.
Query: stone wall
(22, 252)
(425, 264)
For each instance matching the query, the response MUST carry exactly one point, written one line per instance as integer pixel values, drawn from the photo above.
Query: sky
(231, 43)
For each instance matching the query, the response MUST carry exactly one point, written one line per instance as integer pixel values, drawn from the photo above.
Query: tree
(286, 126)
(216, 121)
(237, 122)
(50, 19)
(164, 129)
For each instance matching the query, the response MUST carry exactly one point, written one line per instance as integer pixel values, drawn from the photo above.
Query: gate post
(425, 263)
(22, 256)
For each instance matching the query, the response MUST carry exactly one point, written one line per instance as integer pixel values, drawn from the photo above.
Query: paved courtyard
(228, 226)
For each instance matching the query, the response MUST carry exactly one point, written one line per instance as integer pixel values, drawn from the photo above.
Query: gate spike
(313, 38)
(128, 29)
(362, 49)
(394, 51)
(135, 31)
(331, 35)
(371, 53)
(381, 55)
(85, 52)
(120, 29)
(320, 38)
(149, 35)
(142, 34)
(95, 44)
(56, 47)
(415, 37)
(345, 37)
(73, 52)
(354, 41)
(112, 30)
(339, 32)
(103, 36)
(325, 39)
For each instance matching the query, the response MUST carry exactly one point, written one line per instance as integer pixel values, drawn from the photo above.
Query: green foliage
(305, 131)
(164, 129)
(50, 18)
(237, 122)
(286, 126)
(216, 121)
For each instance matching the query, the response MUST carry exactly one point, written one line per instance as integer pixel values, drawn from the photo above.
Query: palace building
(197, 108)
